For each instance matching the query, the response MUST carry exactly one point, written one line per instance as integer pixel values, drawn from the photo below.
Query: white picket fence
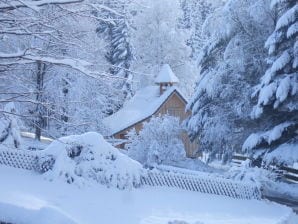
(182, 179)
(203, 184)
(19, 159)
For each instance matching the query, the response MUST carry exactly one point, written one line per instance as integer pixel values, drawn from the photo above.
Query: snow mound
(47, 215)
(88, 157)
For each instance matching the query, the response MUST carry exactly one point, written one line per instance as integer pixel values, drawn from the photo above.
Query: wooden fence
(289, 173)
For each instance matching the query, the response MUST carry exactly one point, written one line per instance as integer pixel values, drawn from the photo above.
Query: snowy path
(27, 197)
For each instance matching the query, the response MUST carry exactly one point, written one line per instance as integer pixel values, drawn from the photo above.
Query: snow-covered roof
(143, 105)
(166, 75)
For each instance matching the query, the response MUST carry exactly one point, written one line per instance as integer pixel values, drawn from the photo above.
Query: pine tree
(277, 93)
(10, 135)
(230, 63)
(120, 55)
(195, 12)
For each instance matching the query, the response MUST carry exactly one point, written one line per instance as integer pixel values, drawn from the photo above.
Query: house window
(175, 111)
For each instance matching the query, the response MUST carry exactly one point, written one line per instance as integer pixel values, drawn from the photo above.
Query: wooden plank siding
(174, 106)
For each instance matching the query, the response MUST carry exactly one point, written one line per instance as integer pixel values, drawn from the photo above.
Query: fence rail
(177, 178)
(290, 174)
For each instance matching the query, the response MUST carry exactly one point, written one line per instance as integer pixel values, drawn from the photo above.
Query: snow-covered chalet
(163, 98)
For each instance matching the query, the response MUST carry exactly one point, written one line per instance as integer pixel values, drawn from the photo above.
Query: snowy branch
(11, 5)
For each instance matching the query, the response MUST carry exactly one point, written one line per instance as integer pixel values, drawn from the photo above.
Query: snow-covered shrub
(158, 142)
(267, 180)
(45, 163)
(9, 130)
(80, 159)
(250, 174)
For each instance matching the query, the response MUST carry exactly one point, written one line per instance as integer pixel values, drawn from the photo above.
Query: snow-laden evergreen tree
(10, 137)
(195, 12)
(116, 32)
(277, 93)
(230, 64)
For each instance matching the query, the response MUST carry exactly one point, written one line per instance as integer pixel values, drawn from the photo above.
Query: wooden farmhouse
(163, 98)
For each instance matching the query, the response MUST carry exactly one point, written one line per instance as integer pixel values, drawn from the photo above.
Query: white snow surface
(166, 75)
(145, 103)
(25, 197)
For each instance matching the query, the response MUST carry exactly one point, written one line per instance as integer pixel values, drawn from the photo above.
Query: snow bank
(80, 159)
(11, 213)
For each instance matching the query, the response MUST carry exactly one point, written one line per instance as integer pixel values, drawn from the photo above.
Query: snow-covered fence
(28, 160)
(19, 159)
(170, 177)
(201, 183)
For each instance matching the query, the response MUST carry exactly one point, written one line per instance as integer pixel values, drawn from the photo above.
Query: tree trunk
(39, 121)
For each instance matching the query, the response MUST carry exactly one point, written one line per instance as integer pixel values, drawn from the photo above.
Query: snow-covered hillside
(26, 197)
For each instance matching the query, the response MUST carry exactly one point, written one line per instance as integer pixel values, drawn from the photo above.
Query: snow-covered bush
(250, 174)
(80, 159)
(9, 130)
(45, 163)
(158, 142)
(267, 180)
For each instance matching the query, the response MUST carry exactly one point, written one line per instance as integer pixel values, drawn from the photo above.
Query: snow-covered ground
(25, 197)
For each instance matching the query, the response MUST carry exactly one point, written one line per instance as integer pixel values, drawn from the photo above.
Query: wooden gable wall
(175, 106)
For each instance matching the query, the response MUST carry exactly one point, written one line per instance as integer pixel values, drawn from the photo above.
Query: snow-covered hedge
(82, 158)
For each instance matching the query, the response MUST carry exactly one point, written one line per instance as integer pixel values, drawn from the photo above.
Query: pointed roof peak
(166, 75)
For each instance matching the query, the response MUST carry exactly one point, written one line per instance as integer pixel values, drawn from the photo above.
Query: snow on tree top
(142, 105)
(166, 75)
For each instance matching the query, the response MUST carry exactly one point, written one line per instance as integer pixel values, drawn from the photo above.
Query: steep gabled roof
(166, 75)
(143, 105)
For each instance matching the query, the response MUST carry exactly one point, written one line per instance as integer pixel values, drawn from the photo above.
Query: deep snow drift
(25, 197)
